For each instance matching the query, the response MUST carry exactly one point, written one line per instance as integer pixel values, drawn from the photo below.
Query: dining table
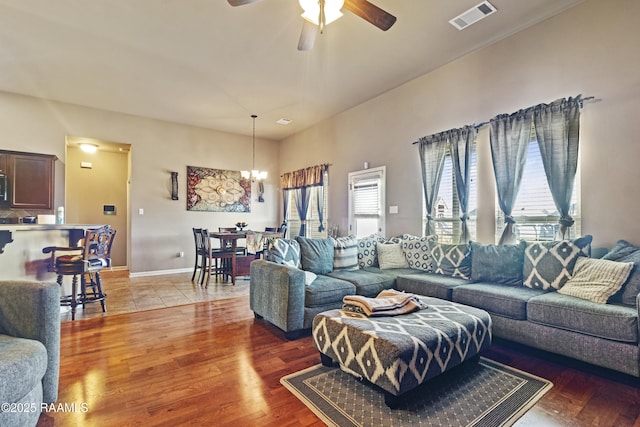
(229, 239)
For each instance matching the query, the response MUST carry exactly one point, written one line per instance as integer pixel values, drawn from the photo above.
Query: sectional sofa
(555, 296)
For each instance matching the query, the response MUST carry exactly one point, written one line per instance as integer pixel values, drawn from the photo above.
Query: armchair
(29, 348)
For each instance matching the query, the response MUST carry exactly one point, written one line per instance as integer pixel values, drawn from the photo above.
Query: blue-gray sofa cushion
(610, 321)
(507, 301)
(430, 284)
(500, 264)
(624, 251)
(367, 283)
(316, 255)
(22, 366)
(327, 290)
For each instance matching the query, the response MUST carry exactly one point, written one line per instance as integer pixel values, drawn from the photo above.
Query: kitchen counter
(21, 245)
(31, 227)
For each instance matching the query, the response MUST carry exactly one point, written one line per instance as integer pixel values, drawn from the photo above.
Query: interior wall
(590, 49)
(158, 147)
(89, 189)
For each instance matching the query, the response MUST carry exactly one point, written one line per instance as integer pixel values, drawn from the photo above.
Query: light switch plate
(393, 209)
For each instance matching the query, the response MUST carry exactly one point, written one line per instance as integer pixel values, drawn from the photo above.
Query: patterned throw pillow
(624, 251)
(367, 254)
(316, 255)
(281, 251)
(452, 260)
(416, 251)
(548, 265)
(390, 255)
(596, 279)
(345, 253)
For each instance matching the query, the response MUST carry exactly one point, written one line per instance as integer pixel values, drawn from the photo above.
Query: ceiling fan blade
(241, 2)
(308, 35)
(370, 13)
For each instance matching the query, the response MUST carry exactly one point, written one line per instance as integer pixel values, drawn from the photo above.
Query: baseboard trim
(161, 272)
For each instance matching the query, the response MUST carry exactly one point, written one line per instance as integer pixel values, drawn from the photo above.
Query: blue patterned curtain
(285, 207)
(432, 150)
(557, 130)
(320, 206)
(509, 138)
(462, 142)
(302, 199)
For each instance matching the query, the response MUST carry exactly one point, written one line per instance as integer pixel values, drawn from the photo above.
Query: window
(313, 222)
(447, 206)
(534, 211)
(367, 201)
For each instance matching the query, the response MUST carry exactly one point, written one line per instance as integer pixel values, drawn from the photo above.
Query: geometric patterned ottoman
(398, 353)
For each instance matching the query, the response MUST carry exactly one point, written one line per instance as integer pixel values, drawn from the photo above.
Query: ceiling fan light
(312, 10)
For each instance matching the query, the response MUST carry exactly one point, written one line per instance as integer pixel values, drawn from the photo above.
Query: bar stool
(95, 254)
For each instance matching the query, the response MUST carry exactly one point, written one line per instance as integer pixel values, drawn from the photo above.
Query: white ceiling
(205, 63)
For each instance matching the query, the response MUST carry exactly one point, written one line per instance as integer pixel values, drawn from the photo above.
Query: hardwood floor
(212, 363)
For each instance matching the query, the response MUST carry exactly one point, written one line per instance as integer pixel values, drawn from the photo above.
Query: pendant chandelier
(254, 174)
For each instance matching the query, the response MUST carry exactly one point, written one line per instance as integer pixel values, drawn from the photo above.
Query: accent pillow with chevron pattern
(548, 265)
(451, 260)
(283, 251)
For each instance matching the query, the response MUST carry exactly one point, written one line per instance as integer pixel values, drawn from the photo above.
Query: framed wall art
(217, 190)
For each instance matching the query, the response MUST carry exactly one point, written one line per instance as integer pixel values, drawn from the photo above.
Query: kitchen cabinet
(30, 179)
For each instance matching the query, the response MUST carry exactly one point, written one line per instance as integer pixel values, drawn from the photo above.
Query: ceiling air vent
(473, 15)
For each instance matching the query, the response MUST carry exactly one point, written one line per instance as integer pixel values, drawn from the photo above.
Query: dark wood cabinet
(30, 179)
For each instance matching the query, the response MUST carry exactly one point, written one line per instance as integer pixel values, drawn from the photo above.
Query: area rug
(473, 394)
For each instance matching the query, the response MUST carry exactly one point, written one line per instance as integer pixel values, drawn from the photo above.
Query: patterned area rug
(473, 394)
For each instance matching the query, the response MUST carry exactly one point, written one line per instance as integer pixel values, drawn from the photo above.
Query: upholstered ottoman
(398, 353)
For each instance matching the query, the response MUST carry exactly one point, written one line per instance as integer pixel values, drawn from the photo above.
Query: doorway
(97, 189)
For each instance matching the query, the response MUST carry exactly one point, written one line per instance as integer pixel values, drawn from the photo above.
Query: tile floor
(125, 294)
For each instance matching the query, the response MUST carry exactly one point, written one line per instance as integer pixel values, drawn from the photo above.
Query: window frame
(379, 175)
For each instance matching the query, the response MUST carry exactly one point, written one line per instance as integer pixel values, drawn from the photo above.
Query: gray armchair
(29, 349)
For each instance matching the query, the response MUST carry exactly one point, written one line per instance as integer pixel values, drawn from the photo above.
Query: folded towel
(387, 303)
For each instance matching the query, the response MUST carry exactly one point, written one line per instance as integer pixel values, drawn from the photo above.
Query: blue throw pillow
(624, 251)
(283, 251)
(451, 260)
(500, 264)
(548, 265)
(345, 253)
(316, 255)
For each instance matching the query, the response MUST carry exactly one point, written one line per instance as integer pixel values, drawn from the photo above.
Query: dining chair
(87, 262)
(210, 255)
(200, 262)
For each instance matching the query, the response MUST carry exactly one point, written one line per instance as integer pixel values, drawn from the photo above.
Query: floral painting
(217, 190)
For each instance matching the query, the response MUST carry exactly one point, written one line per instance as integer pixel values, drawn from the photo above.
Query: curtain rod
(481, 124)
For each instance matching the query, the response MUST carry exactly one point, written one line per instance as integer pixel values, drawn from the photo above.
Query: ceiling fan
(318, 13)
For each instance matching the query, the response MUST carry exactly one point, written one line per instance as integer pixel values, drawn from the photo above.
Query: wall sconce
(174, 185)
